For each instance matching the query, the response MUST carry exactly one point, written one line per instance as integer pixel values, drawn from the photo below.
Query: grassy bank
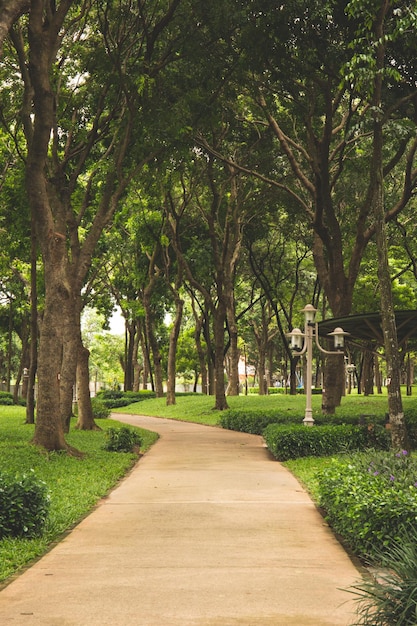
(75, 485)
(199, 408)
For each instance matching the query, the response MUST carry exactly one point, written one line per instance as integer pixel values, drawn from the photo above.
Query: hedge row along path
(206, 530)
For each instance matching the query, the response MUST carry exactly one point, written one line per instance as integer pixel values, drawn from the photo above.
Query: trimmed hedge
(370, 499)
(24, 506)
(114, 399)
(293, 442)
(254, 423)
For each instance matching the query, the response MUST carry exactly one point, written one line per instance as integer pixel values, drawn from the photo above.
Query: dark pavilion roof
(368, 326)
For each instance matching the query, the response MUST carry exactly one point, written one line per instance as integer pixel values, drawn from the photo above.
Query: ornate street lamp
(302, 343)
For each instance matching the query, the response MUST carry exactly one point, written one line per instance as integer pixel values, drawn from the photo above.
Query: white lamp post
(302, 343)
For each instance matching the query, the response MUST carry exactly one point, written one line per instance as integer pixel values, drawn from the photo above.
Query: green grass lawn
(76, 485)
(199, 408)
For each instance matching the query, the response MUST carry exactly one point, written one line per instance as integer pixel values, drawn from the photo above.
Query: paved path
(207, 530)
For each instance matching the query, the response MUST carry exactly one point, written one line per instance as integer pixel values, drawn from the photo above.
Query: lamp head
(297, 338)
(309, 313)
(339, 337)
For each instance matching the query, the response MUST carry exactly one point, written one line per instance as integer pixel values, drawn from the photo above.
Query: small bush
(116, 403)
(24, 506)
(6, 398)
(100, 410)
(122, 439)
(293, 442)
(368, 499)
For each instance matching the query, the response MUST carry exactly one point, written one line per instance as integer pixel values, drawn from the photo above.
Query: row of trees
(229, 151)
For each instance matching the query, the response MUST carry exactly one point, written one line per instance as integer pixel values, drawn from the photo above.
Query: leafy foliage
(291, 442)
(113, 399)
(24, 505)
(370, 498)
(122, 439)
(100, 409)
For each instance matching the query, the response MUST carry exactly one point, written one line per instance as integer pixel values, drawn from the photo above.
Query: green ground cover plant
(75, 485)
(123, 439)
(370, 499)
(24, 505)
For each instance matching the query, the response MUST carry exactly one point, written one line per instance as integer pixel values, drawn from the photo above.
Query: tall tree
(376, 34)
(85, 145)
(297, 55)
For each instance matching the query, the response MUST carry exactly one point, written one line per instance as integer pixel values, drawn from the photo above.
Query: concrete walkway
(207, 530)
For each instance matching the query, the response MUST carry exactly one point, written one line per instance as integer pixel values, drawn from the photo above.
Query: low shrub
(254, 422)
(114, 399)
(137, 396)
(24, 506)
(6, 398)
(370, 498)
(293, 442)
(100, 409)
(282, 391)
(122, 439)
(115, 403)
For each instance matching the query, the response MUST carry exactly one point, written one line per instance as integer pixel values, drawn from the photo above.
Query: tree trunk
(368, 371)
(201, 356)
(130, 336)
(173, 341)
(71, 334)
(49, 429)
(153, 343)
(137, 367)
(233, 354)
(399, 437)
(33, 359)
(219, 323)
(85, 411)
(334, 379)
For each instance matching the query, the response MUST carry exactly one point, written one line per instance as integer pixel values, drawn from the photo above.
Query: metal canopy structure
(368, 327)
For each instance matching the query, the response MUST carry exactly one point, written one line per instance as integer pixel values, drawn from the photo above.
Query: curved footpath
(206, 530)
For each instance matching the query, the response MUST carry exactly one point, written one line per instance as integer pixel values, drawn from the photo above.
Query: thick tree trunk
(334, 380)
(85, 419)
(71, 323)
(49, 429)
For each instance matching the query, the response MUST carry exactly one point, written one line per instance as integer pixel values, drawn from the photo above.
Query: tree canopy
(234, 160)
